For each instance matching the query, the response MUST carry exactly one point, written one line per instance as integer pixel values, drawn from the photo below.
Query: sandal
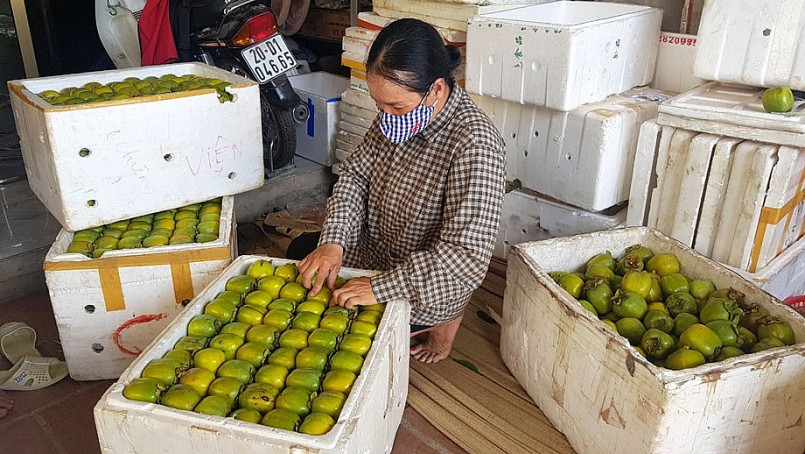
(17, 340)
(32, 373)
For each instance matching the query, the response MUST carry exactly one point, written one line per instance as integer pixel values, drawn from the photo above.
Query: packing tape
(772, 216)
(109, 271)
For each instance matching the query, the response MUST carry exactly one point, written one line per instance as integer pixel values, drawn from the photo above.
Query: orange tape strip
(109, 271)
(782, 244)
(182, 282)
(112, 289)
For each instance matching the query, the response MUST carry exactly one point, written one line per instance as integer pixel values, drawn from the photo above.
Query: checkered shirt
(425, 212)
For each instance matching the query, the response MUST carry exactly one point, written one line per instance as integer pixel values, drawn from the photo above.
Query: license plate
(268, 59)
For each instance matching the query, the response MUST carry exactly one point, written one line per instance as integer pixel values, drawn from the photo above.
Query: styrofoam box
(583, 157)
(108, 309)
(738, 202)
(562, 54)
(674, 68)
(735, 111)
(374, 23)
(368, 422)
(784, 276)
(450, 15)
(752, 42)
(671, 11)
(315, 140)
(92, 164)
(528, 217)
(597, 390)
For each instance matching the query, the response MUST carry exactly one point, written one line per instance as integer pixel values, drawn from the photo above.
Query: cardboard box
(368, 422)
(109, 309)
(752, 42)
(563, 54)
(583, 157)
(597, 390)
(326, 23)
(93, 164)
(315, 140)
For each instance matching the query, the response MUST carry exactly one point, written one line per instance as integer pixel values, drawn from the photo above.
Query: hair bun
(453, 55)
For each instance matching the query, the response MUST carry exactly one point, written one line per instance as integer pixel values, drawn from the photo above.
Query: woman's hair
(412, 54)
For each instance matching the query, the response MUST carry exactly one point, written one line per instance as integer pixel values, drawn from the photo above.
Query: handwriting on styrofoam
(213, 158)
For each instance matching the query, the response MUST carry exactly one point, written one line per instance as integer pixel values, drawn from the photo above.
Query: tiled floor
(59, 420)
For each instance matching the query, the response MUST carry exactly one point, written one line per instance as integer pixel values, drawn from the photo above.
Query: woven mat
(473, 398)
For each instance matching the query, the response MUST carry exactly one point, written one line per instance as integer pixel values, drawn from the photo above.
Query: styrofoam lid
(321, 83)
(565, 13)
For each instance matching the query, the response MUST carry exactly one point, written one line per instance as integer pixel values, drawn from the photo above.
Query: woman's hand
(324, 263)
(356, 292)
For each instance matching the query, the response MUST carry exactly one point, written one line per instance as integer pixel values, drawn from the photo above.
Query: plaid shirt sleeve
(444, 274)
(346, 207)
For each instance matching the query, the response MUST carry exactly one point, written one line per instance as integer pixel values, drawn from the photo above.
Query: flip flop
(32, 373)
(17, 340)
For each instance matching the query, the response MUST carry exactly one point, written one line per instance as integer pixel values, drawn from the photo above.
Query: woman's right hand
(324, 263)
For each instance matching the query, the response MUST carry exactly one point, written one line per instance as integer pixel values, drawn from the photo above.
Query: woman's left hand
(356, 292)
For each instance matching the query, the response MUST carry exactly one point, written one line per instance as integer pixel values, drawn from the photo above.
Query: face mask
(399, 128)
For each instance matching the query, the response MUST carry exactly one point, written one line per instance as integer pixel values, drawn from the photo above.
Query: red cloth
(156, 37)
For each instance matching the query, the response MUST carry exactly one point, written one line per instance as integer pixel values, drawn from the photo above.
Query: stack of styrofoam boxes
(719, 173)
(558, 79)
(98, 163)
(605, 397)
(677, 50)
(358, 110)
(368, 422)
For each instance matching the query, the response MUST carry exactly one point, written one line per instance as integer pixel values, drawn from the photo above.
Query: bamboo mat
(472, 397)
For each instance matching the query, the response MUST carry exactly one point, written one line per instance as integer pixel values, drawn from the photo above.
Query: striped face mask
(399, 128)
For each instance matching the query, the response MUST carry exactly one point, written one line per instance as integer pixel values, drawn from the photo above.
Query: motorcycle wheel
(279, 134)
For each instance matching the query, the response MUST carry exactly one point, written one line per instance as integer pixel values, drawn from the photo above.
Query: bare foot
(434, 344)
(5, 404)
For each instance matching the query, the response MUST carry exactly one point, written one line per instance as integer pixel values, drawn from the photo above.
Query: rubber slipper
(32, 373)
(17, 340)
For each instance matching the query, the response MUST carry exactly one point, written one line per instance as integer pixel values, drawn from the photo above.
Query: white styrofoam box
(357, 80)
(674, 68)
(109, 309)
(448, 15)
(562, 54)
(741, 203)
(528, 217)
(336, 168)
(315, 140)
(341, 155)
(355, 46)
(784, 276)
(353, 128)
(752, 42)
(671, 11)
(347, 140)
(356, 120)
(734, 111)
(359, 98)
(583, 157)
(361, 33)
(92, 164)
(368, 422)
(375, 22)
(349, 110)
(597, 390)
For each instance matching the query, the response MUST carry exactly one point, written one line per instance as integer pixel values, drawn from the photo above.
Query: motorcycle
(240, 36)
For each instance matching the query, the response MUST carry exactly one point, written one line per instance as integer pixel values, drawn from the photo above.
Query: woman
(420, 198)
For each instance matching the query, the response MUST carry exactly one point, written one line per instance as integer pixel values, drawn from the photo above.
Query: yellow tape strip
(772, 216)
(357, 74)
(112, 289)
(182, 282)
(109, 271)
(360, 66)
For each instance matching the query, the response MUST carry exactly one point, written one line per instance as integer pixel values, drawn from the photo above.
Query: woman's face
(395, 99)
